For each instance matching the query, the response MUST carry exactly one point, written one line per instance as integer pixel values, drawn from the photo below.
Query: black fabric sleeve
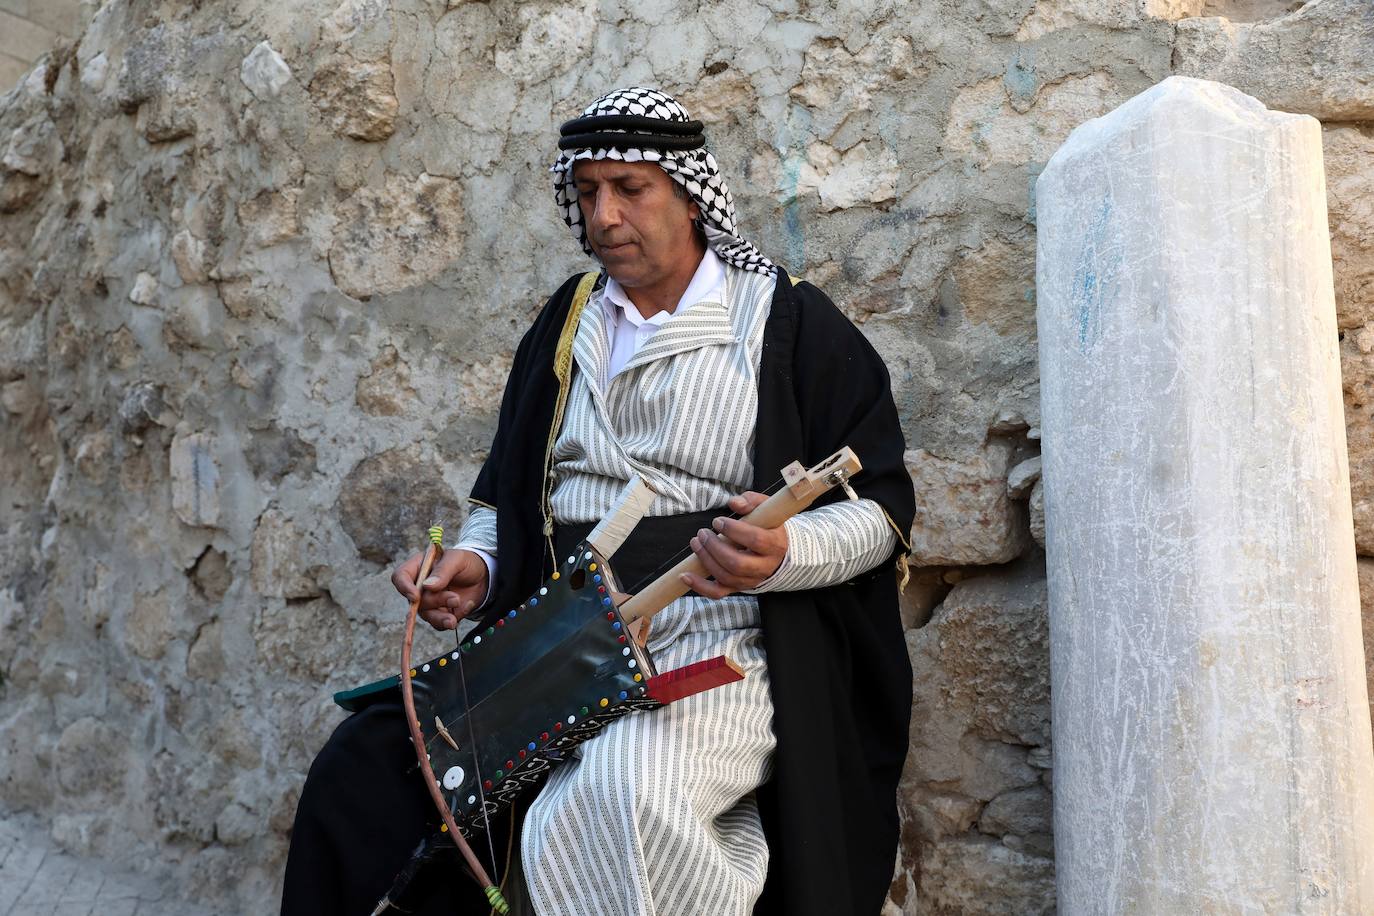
(845, 396)
(486, 489)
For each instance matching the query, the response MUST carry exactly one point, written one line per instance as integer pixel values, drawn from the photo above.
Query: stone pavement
(37, 879)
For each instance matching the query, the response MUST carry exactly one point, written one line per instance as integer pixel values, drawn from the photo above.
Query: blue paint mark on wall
(1021, 80)
(795, 134)
(1033, 170)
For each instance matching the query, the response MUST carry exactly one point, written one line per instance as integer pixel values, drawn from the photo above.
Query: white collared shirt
(629, 329)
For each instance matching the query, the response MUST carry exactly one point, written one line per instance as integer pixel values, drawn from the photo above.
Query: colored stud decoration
(587, 555)
(510, 764)
(591, 567)
(533, 602)
(544, 736)
(558, 726)
(443, 662)
(443, 828)
(625, 651)
(453, 778)
(605, 702)
(624, 695)
(557, 575)
(413, 672)
(472, 799)
(425, 668)
(632, 663)
(585, 710)
(543, 591)
(606, 601)
(596, 579)
(610, 615)
(491, 630)
(572, 560)
(511, 615)
(638, 677)
(531, 745)
(501, 622)
(616, 625)
(572, 719)
(476, 640)
(522, 753)
(467, 647)
(620, 638)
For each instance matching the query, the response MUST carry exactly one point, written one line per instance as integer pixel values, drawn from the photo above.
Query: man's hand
(743, 558)
(456, 584)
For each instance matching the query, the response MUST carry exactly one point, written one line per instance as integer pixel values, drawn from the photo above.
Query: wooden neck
(801, 487)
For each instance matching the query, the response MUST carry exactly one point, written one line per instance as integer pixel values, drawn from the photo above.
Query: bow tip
(498, 903)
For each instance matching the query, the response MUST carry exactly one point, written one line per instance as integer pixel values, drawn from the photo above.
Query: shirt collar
(706, 283)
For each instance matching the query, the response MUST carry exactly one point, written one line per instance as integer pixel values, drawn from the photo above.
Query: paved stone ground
(37, 879)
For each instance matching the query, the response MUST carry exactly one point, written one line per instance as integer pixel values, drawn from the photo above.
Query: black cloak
(841, 679)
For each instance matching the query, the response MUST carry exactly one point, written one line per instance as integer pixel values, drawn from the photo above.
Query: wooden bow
(432, 553)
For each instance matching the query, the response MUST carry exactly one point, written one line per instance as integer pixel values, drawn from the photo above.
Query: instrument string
(476, 761)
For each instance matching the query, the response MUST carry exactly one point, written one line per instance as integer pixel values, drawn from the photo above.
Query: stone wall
(30, 28)
(263, 268)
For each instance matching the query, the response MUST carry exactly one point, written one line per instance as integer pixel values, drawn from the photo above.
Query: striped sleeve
(479, 531)
(831, 544)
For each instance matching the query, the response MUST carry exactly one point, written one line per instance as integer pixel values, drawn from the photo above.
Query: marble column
(1212, 749)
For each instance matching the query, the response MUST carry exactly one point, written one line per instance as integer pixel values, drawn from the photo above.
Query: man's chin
(624, 266)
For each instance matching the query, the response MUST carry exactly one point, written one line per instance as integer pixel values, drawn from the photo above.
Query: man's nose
(605, 212)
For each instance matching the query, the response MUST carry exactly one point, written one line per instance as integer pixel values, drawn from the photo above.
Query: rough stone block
(195, 477)
(1318, 60)
(264, 72)
(357, 99)
(388, 501)
(1348, 153)
(396, 236)
(964, 515)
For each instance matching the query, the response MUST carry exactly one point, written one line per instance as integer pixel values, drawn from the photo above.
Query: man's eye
(633, 189)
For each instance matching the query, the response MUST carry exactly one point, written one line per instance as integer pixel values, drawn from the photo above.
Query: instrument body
(545, 677)
(495, 714)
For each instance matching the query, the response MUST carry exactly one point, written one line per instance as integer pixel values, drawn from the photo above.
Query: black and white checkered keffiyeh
(694, 169)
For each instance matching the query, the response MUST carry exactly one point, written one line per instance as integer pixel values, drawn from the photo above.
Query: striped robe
(656, 815)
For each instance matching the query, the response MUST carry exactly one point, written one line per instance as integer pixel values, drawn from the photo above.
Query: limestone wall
(263, 266)
(30, 28)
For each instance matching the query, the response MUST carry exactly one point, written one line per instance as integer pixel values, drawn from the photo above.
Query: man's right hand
(456, 585)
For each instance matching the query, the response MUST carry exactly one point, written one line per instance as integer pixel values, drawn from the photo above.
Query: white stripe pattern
(656, 815)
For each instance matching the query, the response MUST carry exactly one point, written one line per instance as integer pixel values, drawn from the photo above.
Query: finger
(747, 502)
(717, 558)
(444, 569)
(705, 587)
(440, 620)
(403, 579)
(431, 601)
(743, 534)
(734, 564)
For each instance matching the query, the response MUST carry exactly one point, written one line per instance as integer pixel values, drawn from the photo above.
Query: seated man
(697, 364)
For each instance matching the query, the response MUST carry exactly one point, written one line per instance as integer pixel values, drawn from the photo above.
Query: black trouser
(362, 812)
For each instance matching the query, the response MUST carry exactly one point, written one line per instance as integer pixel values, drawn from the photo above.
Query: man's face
(639, 227)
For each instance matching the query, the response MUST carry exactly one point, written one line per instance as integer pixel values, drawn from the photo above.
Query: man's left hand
(743, 558)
